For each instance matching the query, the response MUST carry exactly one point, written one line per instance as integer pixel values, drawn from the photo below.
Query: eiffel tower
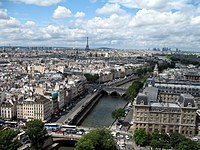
(87, 46)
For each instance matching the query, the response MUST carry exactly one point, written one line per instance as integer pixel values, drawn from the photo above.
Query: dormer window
(142, 102)
(189, 105)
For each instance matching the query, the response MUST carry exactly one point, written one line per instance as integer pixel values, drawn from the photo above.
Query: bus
(69, 128)
(66, 126)
(51, 126)
(11, 124)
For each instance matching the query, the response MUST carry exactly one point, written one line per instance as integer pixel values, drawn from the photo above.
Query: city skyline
(122, 24)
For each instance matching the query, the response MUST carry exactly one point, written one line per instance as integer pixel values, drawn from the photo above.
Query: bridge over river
(112, 90)
(77, 114)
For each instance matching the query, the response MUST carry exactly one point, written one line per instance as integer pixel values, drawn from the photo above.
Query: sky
(123, 24)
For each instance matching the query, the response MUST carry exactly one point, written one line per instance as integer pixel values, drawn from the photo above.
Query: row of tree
(163, 140)
(118, 113)
(142, 71)
(132, 91)
(185, 59)
(166, 65)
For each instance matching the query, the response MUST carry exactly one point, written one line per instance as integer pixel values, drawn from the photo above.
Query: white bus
(51, 126)
(66, 126)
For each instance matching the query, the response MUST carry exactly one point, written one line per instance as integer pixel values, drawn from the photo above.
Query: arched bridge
(112, 90)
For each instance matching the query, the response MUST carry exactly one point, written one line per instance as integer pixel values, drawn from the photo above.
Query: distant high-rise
(87, 46)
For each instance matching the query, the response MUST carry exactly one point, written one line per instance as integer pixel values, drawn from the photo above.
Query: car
(61, 131)
(79, 133)
(123, 145)
(131, 123)
(195, 139)
(121, 136)
(127, 137)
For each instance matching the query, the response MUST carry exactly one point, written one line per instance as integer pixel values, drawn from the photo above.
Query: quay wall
(78, 118)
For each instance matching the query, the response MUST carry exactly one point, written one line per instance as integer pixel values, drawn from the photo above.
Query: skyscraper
(87, 46)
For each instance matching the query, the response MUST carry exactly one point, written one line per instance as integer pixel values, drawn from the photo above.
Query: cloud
(38, 2)
(155, 26)
(195, 20)
(62, 12)
(3, 14)
(110, 9)
(161, 5)
(30, 24)
(146, 17)
(79, 14)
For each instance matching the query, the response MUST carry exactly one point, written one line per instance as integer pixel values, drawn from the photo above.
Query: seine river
(101, 114)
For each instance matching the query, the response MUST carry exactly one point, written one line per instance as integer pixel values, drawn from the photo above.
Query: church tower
(155, 71)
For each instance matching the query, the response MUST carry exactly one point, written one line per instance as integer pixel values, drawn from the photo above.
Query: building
(8, 110)
(36, 107)
(153, 114)
(192, 76)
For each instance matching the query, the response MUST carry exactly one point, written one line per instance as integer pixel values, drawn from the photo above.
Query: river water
(101, 114)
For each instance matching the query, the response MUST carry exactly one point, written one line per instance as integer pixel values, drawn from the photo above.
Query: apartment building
(35, 107)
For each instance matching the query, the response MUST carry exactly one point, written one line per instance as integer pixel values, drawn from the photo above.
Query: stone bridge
(112, 90)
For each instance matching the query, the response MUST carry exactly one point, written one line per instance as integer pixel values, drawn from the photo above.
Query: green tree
(85, 144)
(188, 145)
(36, 133)
(155, 144)
(91, 78)
(8, 140)
(141, 137)
(118, 113)
(175, 139)
(160, 140)
(98, 139)
(132, 91)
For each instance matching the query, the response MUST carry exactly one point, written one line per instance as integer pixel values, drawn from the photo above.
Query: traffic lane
(77, 108)
(129, 116)
(74, 109)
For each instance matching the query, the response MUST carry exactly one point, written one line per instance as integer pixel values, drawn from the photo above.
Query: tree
(97, 139)
(133, 90)
(8, 140)
(155, 144)
(36, 133)
(118, 113)
(160, 140)
(85, 144)
(141, 137)
(175, 139)
(91, 78)
(188, 145)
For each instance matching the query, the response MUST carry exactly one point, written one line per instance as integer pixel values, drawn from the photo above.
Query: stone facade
(154, 114)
